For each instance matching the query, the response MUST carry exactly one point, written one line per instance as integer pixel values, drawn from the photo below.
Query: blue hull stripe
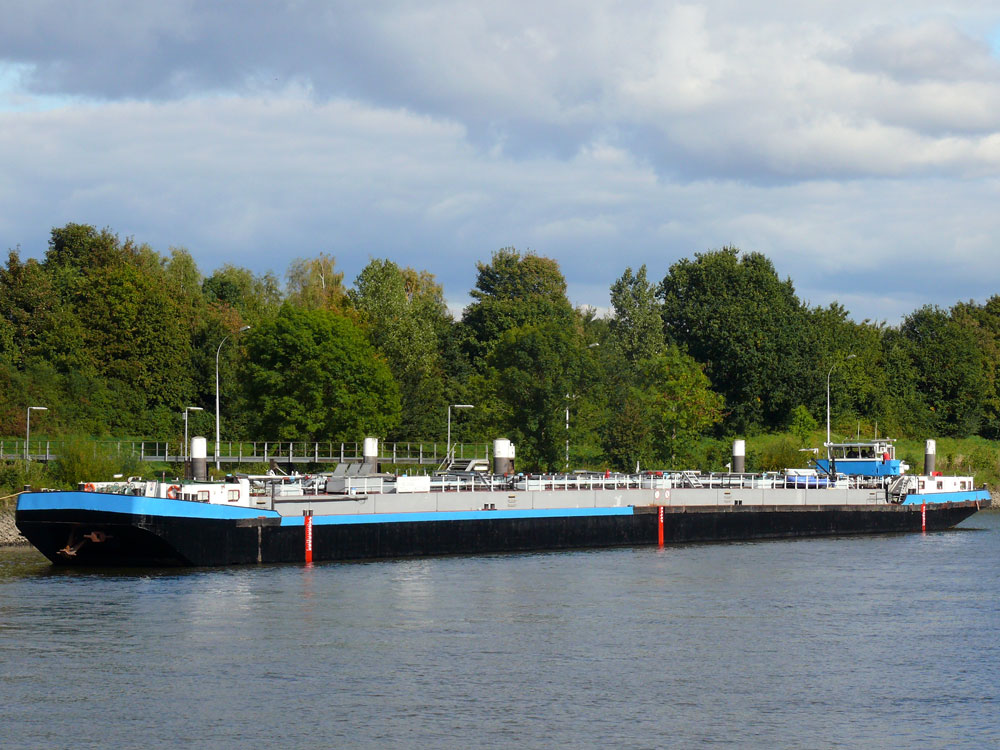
(459, 515)
(153, 506)
(139, 506)
(948, 497)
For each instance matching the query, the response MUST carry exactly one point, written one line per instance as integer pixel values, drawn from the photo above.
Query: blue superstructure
(873, 458)
(862, 467)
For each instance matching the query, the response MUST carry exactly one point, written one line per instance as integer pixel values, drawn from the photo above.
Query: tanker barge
(272, 519)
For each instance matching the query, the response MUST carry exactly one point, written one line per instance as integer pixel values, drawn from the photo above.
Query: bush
(15, 474)
(779, 455)
(79, 462)
(803, 424)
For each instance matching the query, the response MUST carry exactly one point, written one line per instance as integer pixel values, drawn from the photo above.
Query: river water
(888, 642)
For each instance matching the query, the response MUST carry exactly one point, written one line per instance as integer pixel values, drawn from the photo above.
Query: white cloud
(857, 145)
(932, 50)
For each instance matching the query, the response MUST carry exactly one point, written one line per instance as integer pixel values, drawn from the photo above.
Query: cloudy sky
(856, 144)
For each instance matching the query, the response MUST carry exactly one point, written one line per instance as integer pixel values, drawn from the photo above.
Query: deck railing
(587, 481)
(251, 452)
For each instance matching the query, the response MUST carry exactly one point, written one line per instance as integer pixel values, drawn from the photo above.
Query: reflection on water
(857, 642)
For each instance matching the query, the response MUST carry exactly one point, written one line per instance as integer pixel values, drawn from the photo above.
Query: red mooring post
(660, 534)
(923, 517)
(308, 522)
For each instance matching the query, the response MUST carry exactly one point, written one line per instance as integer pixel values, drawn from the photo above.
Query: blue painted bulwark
(978, 496)
(464, 515)
(134, 506)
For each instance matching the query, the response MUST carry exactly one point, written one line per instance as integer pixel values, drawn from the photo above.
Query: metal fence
(256, 452)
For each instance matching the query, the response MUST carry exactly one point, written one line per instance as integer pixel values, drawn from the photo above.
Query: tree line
(117, 339)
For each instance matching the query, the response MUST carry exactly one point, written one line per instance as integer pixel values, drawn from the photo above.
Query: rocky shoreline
(9, 535)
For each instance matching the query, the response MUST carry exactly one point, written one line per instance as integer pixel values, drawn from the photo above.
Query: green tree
(311, 374)
(38, 314)
(733, 314)
(512, 291)
(314, 283)
(44, 358)
(99, 331)
(983, 321)
(250, 296)
(949, 368)
(535, 372)
(636, 328)
(184, 282)
(910, 413)
(659, 410)
(400, 310)
(139, 332)
(628, 433)
(76, 247)
(682, 405)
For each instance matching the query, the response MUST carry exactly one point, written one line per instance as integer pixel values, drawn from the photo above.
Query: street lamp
(217, 353)
(450, 407)
(186, 410)
(849, 356)
(27, 436)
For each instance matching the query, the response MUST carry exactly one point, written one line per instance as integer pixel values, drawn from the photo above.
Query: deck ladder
(692, 478)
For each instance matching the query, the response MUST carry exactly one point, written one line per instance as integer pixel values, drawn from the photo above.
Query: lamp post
(217, 353)
(849, 356)
(27, 436)
(450, 407)
(186, 410)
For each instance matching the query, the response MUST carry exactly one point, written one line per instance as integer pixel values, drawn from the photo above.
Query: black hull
(97, 538)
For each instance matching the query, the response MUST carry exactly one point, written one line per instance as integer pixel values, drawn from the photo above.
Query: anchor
(72, 546)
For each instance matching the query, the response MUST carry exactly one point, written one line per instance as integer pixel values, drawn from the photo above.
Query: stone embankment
(9, 535)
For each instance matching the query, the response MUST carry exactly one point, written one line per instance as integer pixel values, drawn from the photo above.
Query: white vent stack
(371, 450)
(930, 453)
(503, 456)
(199, 458)
(739, 456)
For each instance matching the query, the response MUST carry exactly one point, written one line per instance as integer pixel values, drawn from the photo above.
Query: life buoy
(172, 491)
(89, 487)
